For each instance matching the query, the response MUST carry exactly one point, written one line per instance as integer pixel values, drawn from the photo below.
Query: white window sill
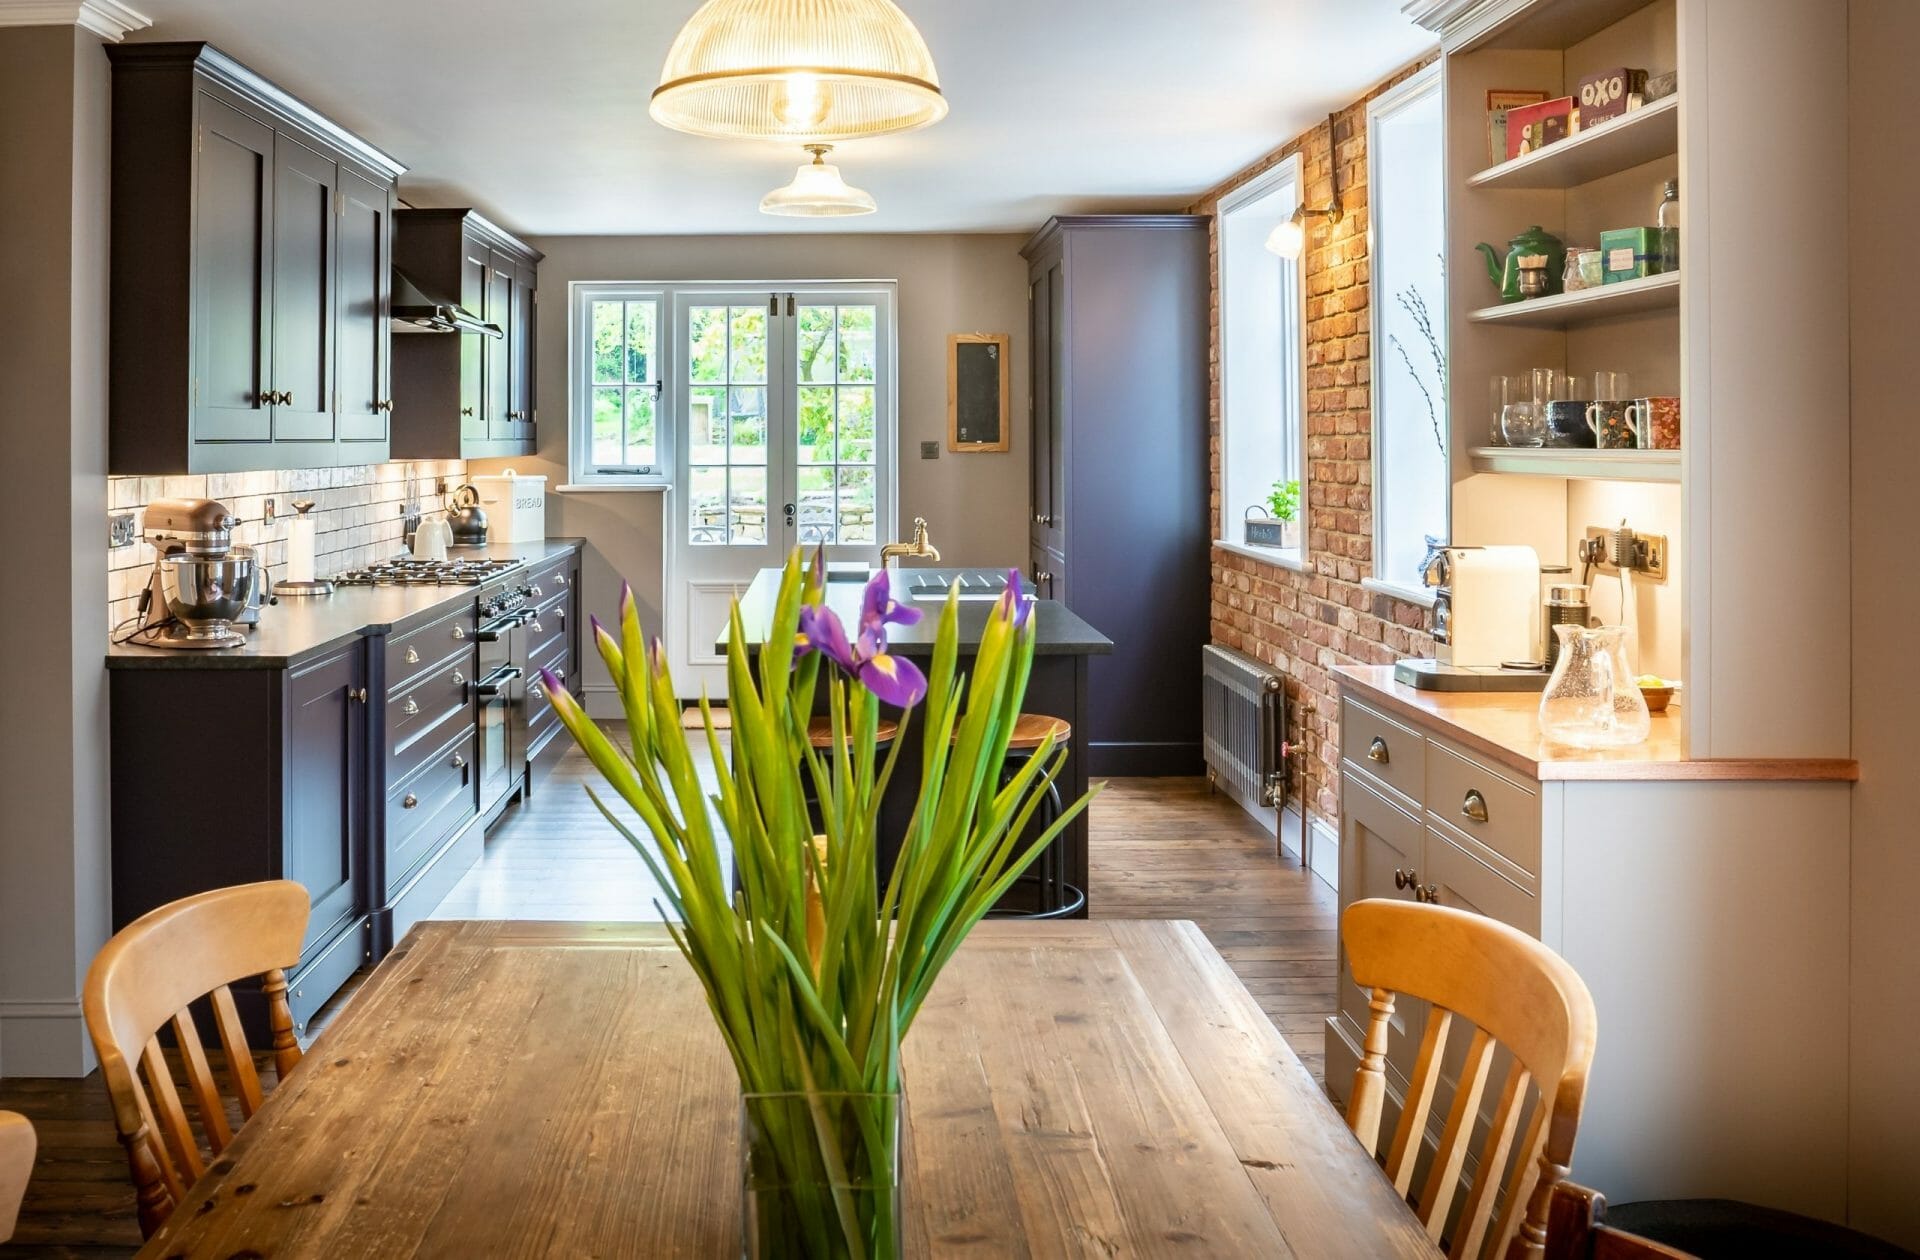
(1294, 558)
(599, 487)
(1411, 594)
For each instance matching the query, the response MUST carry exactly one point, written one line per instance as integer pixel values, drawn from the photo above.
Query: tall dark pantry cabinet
(1119, 530)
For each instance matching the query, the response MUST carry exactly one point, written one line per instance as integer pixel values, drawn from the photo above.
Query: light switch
(929, 450)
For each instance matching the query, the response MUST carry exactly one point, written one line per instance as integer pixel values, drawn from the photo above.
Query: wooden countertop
(1506, 727)
(560, 1089)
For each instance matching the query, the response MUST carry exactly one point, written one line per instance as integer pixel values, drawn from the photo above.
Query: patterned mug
(1656, 422)
(1613, 425)
(1567, 424)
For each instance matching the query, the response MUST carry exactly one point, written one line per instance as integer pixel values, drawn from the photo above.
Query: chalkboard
(977, 392)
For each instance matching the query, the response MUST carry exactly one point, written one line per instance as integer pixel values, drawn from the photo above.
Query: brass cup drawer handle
(536, 627)
(459, 679)
(459, 632)
(411, 707)
(459, 762)
(412, 657)
(560, 579)
(409, 801)
(1474, 807)
(1377, 751)
(536, 691)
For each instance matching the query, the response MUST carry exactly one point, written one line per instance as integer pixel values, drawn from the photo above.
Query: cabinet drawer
(418, 650)
(547, 627)
(540, 715)
(1485, 804)
(427, 806)
(429, 712)
(554, 578)
(1460, 879)
(1384, 749)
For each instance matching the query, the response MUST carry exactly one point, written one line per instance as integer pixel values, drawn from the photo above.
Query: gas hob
(409, 572)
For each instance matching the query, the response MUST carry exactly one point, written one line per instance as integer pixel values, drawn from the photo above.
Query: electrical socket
(930, 450)
(1653, 558)
(120, 531)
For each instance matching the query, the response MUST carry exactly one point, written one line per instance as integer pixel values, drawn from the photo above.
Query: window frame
(1414, 88)
(1293, 436)
(582, 472)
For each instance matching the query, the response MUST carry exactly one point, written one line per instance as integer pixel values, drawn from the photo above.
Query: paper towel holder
(302, 524)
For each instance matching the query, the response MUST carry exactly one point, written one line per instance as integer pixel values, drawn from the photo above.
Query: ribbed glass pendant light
(810, 71)
(817, 191)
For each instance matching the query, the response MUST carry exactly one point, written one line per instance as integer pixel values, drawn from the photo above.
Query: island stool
(1055, 898)
(820, 735)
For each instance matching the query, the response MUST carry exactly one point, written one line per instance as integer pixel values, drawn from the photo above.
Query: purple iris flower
(894, 679)
(1013, 596)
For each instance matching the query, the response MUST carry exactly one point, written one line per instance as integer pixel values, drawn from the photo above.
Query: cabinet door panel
(362, 376)
(500, 350)
(232, 276)
(303, 292)
(325, 796)
(520, 390)
(1058, 437)
(475, 267)
(1378, 840)
(1040, 403)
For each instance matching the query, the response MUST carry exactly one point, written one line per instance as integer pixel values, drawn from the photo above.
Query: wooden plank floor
(1161, 848)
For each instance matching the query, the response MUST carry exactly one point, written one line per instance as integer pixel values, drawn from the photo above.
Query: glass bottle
(1592, 700)
(1667, 219)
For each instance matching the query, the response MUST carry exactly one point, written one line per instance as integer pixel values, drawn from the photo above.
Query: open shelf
(1542, 461)
(1586, 306)
(1619, 144)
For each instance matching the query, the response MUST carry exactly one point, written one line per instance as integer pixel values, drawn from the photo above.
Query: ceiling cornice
(108, 19)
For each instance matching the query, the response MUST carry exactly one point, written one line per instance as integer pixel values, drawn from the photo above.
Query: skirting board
(44, 1039)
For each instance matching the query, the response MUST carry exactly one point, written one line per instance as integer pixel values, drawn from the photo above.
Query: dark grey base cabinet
(230, 776)
(1119, 528)
(466, 395)
(251, 273)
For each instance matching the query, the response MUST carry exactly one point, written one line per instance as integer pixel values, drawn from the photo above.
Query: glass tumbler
(1523, 424)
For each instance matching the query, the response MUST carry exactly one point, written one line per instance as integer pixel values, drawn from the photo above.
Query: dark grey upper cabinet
(242, 323)
(465, 395)
(363, 390)
(1119, 524)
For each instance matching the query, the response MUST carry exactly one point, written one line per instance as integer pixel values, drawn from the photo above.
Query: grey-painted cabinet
(249, 291)
(1118, 525)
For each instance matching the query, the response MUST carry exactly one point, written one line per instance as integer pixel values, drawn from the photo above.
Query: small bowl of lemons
(1656, 691)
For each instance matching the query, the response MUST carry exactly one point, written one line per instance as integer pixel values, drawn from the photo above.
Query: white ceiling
(537, 112)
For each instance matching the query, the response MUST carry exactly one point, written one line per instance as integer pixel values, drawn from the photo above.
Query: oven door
(495, 696)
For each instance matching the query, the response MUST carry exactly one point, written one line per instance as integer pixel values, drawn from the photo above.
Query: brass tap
(919, 548)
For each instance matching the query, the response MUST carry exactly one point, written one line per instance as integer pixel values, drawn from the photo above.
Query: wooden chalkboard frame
(954, 342)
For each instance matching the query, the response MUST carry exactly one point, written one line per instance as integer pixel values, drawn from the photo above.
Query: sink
(974, 587)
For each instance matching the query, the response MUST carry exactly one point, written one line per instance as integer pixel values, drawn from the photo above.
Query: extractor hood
(413, 310)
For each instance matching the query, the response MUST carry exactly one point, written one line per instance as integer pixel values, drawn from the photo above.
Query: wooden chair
(1575, 1231)
(146, 977)
(16, 1163)
(1517, 993)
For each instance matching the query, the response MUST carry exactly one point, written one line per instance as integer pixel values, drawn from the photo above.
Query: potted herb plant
(1280, 526)
(813, 969)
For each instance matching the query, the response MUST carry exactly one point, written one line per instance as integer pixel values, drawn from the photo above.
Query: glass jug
(1592, 700)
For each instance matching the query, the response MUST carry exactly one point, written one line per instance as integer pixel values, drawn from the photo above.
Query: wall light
(1289, 236)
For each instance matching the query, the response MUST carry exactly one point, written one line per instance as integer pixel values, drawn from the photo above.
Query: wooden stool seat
(1030, 730)
(820, 733)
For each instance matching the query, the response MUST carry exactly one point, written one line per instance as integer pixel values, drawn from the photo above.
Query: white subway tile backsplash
(357, 514)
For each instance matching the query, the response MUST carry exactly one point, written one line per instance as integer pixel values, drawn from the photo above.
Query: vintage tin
(1629, 253)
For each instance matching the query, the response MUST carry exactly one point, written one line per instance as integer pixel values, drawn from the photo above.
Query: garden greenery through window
(1262, 352)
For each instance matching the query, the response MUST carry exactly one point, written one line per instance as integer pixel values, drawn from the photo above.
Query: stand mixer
(202, 585)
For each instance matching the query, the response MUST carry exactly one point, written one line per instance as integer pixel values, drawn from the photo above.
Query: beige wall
(1884, 174)
(54, 859)
(976, 505)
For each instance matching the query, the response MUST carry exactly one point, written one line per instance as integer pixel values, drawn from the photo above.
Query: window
(1410, 465)
(1262, 350)
(619, 424)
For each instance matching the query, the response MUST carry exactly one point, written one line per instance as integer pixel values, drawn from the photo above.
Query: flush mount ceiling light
(817, 191)
(813, 71)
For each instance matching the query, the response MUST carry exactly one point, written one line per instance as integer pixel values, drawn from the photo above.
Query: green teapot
(1505, 274)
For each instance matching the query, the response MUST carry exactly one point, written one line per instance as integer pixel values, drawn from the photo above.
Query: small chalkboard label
(977, 391)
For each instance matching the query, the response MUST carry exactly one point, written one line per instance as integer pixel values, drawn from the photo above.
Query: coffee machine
(202, 586)
(1486, 621)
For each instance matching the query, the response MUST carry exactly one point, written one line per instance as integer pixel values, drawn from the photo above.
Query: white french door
(786, 398)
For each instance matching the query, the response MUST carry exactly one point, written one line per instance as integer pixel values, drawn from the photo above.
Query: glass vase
(821, 1176)
(1592, 700)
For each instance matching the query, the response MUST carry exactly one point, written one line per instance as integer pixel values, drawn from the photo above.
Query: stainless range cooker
(501, 691)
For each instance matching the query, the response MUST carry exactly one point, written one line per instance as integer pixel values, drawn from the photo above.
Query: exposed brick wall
(1307, 623)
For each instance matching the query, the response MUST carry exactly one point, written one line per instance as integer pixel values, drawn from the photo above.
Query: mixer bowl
(208, 594)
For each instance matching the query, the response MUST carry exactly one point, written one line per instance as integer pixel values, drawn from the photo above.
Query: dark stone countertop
(299, 627)
(1060, 632)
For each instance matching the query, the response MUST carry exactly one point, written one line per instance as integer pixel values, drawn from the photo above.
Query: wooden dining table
(1101, 1088)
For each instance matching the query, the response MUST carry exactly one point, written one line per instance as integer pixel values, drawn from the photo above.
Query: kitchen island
(1063, 643)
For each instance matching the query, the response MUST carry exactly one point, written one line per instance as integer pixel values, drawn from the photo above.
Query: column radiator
(1245, 725)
